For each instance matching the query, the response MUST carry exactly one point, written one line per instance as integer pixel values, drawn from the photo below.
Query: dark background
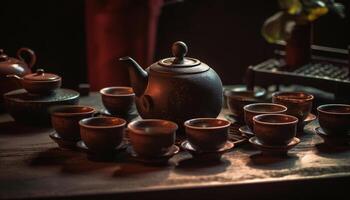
(225, 34)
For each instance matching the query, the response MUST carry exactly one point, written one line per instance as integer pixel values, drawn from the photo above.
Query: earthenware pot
(17, 66)
(39, 82)
(177, 88)
(207, 134)
(334, 119)
(152, 137)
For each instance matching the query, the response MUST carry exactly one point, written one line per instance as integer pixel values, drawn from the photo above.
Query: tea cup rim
(132, 125)
(247, 107)
(320, 109)
(54, 111)
(256, 119)
(237, 95)
(104, 92)
(309, 97)
(187, 123)
(83, 122)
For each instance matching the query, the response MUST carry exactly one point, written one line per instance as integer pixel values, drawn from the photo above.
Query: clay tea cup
(236, 100)
(258, 92)
(152, 137)
(118, 100)
(254, 109)
(207, 134)
(65, 120)
(275, 129)
(102, 134)
(334, 119)
(299, 104)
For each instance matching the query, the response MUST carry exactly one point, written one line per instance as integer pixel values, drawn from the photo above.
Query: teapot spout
(14, 76)
(17, 78)
(138, 76)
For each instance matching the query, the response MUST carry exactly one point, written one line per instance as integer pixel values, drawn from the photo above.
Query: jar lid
(179, 63)
(40, 75)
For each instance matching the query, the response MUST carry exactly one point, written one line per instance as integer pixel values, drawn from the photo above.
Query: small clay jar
(39, 82)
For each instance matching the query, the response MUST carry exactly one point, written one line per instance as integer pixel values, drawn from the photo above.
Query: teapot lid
(179, 63)
(40, 75)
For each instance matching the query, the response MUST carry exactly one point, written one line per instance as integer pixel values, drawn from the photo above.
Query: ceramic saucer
(311, 117)
(154, 160)
(234, 119)
(82, 147)
(207, 155)
(128, 117)
(236, 137)
(66, 144)
(245, 130)
(34, 109)
(275, 150)
(332, 139)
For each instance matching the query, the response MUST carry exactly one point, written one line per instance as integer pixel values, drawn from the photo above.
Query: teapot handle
(30, 52)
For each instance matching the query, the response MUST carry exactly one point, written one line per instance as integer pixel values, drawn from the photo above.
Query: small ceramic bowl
(65, 120)
(275, 129)
(118, 100)
(252, 110)
(152, 137)
(299, 104)
(236, 100)
(207, 134)
(102, 134)
(334, 119)
(259, 92)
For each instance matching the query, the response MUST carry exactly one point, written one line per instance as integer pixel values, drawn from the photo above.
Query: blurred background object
(81, 40)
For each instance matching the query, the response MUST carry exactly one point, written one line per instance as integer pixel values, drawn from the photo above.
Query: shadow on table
(13, 128)
(332, 151)
(86, 162)
(68, 161)
(195, 166)
(265, 161)
(51, 157)
(82, 165)
(137, 168)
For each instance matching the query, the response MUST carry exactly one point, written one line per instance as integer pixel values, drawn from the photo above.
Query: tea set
(176, 96)
(288, 113)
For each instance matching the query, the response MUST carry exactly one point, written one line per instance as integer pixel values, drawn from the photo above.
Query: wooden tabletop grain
(32, 166)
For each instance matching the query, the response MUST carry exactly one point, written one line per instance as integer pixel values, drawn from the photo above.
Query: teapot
(176, 88)
(17, 66)
(39, 82)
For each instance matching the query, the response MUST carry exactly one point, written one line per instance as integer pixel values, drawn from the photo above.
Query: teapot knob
(179, 50)
(40, 71)
(3, 57)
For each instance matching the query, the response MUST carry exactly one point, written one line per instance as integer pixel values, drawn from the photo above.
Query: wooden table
(32, 166)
